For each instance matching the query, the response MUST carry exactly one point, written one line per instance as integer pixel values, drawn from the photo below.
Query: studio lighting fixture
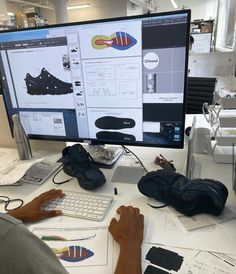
(174, 4)
(82, 6)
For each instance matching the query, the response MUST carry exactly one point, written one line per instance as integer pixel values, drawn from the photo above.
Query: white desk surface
(128, 194)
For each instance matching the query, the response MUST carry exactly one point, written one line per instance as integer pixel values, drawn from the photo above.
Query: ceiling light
(82, 6)
(174, 4)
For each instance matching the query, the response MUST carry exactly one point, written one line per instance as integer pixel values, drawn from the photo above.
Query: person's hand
(128, 230)
(32, 211)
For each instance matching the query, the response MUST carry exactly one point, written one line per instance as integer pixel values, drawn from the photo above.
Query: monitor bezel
(95, 141)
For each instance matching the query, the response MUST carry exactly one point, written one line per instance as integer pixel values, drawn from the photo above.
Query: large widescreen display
(119, 81)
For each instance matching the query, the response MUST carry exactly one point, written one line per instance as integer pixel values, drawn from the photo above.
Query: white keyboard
(82, 205)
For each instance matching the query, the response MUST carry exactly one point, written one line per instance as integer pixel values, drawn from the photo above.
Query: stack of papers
(11, 173)
(206, 243)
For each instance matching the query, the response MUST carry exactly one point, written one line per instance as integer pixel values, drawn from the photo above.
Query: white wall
(3, 8)
(109, 9)
(201, 9)
(99, 9)
(49, 15)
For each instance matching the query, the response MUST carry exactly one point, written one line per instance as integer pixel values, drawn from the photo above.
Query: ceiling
(24, 4)
(21, 4)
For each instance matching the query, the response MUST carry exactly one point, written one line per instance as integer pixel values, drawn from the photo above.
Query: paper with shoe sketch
(79, 247)
(201, 220)
(162, 229)
(211, 263)
(187, 261)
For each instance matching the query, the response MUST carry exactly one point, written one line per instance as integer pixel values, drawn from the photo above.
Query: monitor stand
(103, 155)
(41, 145)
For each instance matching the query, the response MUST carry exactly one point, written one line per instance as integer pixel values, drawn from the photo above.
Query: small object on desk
(39, 172)
(127, 174)
(21, 139)
(164, 163)
(17, 203)
(115, 191)
(164, 258)
(104, 156)
(11, 175)
(153, 270)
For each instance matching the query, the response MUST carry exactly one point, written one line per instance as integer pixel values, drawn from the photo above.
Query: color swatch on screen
(119, 40)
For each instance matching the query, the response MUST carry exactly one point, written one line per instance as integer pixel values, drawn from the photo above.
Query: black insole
(111, 122)
(112, 135)
(153, 270)
(164, 258)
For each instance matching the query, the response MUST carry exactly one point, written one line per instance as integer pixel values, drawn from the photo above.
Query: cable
(158, 206)
(63, 182)
(129, 151)
(7, 201)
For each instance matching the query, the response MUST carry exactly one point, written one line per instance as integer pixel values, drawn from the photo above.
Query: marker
(115, 191)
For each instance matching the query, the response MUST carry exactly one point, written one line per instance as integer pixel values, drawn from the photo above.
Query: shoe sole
(118, 136)
(111, 122)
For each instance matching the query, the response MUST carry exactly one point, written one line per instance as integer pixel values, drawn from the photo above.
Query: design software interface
(118, 81)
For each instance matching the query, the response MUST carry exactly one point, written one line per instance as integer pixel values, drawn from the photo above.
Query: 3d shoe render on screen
(45, 84)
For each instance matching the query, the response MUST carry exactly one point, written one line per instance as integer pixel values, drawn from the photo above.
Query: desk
(128, 194)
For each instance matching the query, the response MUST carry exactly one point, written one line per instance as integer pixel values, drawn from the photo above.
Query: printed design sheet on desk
(210, 250)
(82, 248)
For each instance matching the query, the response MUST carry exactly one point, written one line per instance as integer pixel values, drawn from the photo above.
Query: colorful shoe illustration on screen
(119, 40)
(46, 84)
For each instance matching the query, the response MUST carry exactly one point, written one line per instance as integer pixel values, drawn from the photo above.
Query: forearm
(13, 213)
(129, 261)
(17, 213)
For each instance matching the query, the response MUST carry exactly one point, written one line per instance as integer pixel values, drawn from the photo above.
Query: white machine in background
(222, 118)
(214, 64)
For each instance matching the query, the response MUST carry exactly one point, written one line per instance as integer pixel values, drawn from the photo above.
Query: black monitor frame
(95, 141)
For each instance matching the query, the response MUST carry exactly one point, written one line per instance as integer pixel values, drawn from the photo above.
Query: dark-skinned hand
(128, 230)
(33, 211)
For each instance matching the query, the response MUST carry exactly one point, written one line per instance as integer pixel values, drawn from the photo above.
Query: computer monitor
(113, 81)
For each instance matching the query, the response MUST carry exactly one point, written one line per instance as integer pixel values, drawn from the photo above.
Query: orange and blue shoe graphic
(119, 40)
(73, 253)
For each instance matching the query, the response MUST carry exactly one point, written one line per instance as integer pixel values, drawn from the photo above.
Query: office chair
(199, 91)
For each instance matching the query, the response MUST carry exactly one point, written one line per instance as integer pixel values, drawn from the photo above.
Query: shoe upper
(78, 163)
(189, 197)
(46, 83)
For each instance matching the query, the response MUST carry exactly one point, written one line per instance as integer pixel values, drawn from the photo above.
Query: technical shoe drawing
(46, 84)
(78, 163)
(113, 135)
(189, 197)
(111, 122)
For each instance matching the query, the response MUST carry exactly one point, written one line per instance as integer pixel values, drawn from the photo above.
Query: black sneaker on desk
(189, 197)
(78, 163)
